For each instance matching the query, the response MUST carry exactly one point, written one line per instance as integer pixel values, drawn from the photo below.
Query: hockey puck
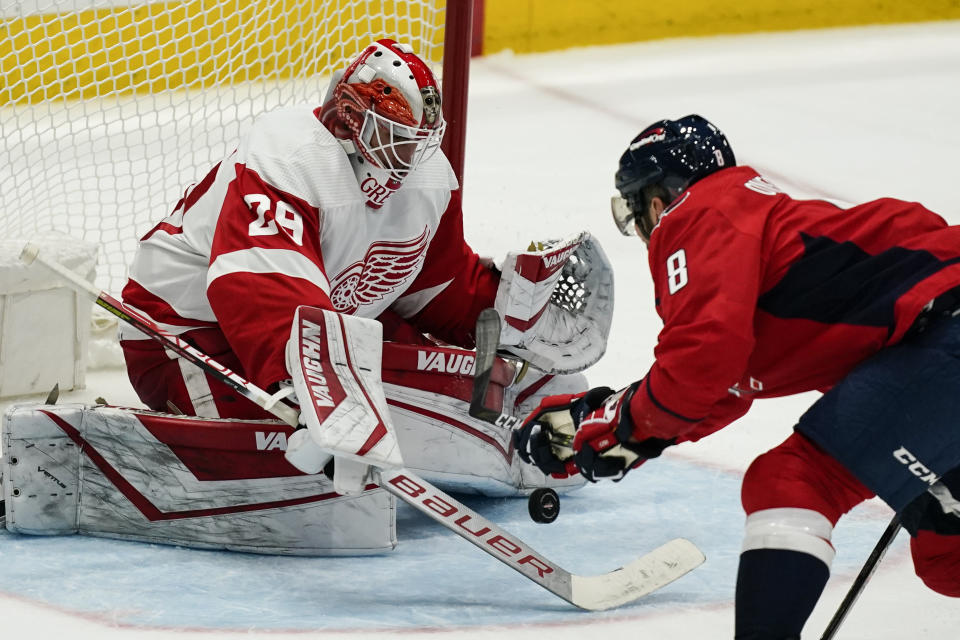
(544, 505)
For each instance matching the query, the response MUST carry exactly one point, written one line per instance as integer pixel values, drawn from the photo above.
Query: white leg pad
(428, 392)
(180, 480)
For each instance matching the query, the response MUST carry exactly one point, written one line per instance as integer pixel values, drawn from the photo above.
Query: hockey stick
(648, 573)
(487, 338)
(886, 539)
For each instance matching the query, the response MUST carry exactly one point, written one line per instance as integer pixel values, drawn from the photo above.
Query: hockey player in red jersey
(762, 295)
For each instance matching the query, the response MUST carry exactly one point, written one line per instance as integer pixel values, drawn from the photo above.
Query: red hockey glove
(602, 446)
(546, 437)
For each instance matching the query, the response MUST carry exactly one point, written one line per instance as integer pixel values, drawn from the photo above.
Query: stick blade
(644, 575)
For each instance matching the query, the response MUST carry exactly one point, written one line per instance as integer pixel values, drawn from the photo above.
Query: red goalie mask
(387, 102)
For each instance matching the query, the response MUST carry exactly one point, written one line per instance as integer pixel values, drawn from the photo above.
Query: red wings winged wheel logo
(385, 267)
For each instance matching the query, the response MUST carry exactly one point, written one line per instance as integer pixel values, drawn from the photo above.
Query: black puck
(544, 505)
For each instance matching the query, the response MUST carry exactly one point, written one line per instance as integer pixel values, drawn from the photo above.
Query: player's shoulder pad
(287, 129)
(723, 194)
(435, 173)
(291, 149)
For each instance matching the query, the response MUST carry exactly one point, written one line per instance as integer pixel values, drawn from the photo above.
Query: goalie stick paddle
(648, 573)
(487, 338)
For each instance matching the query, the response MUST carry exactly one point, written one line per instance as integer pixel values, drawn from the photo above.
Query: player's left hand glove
(546, 437)
(587, 433)
(603, 446)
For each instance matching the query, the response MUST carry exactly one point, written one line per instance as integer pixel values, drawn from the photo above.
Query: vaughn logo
(914, 466)
(557, 259)
(445, 362)
(269, 440)
(310, 357)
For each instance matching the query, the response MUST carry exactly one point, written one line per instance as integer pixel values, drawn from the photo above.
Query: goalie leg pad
(179, 480)
(41, 478)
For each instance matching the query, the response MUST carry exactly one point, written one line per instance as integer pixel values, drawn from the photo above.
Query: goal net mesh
(110, 109)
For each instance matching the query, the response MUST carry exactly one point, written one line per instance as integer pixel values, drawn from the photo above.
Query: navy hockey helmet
(671, 154)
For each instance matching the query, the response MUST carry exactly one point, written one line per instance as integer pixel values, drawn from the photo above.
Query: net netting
(110, 108)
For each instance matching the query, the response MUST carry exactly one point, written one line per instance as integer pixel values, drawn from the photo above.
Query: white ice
(851, 114)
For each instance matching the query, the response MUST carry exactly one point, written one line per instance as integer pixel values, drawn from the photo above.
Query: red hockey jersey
(762, 295)
(282, 222)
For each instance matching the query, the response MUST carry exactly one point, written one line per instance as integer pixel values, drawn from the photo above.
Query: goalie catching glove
(556, 301)
(590, 433)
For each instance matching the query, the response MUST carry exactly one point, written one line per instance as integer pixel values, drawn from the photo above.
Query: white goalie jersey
(282, 222)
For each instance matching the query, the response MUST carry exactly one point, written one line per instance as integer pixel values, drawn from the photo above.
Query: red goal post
(111, 108)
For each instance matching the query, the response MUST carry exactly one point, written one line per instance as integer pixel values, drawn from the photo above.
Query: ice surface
(850, 114)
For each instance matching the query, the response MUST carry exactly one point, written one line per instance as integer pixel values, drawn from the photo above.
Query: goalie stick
(487, 338)
(648, 573)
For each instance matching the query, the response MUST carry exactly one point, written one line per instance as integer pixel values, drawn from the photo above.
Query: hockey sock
(776, 592)
(784, 566)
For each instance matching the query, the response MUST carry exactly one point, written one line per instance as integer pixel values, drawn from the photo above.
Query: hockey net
(111, 108)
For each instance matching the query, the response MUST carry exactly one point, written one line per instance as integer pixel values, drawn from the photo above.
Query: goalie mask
(385, 107)
(671, 154)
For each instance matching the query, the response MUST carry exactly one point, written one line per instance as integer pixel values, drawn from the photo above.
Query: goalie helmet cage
(110, 109)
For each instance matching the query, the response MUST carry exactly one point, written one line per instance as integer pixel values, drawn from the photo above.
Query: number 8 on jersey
(677, 271)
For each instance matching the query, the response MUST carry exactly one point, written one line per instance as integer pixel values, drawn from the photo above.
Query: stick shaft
(176, 344)
(862, 578)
